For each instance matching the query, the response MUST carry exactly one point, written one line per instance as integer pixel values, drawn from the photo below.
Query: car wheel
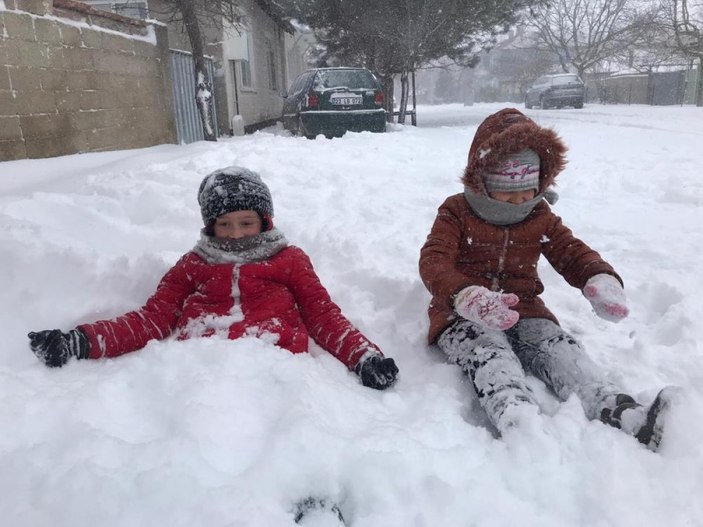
(578, 105)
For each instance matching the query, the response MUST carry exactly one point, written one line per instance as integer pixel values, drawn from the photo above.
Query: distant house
(251, 67)
(503, 73)
(506, 71)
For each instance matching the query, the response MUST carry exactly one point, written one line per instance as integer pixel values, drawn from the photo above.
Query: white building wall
(259, 102)
(260, 40)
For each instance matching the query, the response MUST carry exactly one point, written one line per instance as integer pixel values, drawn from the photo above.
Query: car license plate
(345, 99)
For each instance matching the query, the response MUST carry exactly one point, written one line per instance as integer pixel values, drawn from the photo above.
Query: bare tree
(687, 22)
(584, 33)
(196, 16)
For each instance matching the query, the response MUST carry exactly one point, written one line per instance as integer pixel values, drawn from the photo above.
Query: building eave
(276, 13)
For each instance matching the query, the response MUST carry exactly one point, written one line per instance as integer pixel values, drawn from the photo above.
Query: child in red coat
(241, 279)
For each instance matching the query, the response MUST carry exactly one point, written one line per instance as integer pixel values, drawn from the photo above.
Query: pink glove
(607, 297)
(487, 308)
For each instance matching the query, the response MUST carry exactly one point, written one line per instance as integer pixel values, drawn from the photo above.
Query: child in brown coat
(480, 265)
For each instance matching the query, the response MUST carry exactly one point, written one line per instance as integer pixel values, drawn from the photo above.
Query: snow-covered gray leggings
(496, 362)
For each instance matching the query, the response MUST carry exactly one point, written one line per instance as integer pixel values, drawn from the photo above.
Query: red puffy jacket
(280, 300)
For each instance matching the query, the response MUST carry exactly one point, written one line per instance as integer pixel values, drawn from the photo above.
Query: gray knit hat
(231, 189)
(515, 172)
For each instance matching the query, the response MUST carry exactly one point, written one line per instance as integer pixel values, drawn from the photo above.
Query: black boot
(647, 427)
(613, 416)
(651, 432)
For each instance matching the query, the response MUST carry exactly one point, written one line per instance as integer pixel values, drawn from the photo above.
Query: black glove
(55, 348)
(377, 372)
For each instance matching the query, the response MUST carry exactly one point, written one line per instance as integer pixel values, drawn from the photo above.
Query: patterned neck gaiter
(244, 250)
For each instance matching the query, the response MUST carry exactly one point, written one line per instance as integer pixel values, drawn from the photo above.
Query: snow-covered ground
(217, 433)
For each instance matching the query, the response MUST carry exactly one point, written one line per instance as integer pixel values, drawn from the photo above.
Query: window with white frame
(245, 73)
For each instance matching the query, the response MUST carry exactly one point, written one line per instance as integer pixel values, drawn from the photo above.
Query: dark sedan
(332, 101)
(556, 90)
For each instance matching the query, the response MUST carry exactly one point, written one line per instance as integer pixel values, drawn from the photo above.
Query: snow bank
(217, 433)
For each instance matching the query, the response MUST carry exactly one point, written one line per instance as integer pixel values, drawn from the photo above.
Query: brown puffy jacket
(463, 250)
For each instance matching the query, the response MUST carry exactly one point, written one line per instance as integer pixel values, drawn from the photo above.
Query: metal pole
(699, 82)
(413, 119)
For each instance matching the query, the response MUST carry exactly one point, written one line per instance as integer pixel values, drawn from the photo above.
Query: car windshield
(352, 79)
(566, 79)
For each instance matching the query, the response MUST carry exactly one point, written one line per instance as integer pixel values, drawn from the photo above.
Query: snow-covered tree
(396, 36)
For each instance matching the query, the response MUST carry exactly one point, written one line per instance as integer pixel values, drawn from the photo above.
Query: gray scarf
(500, 212)
(244, 250)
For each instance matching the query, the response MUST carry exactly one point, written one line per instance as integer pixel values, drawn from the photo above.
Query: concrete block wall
(74, 79)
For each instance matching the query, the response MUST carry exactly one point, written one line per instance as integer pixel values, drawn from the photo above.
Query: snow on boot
(614, 416)
(647, 425)
(651, 432)
(318, 512)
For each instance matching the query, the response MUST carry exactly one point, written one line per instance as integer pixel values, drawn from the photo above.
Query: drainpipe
(236, 88)
(236, 123)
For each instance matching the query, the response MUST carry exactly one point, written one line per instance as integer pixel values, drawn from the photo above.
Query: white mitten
(607, 297)
(487, 308)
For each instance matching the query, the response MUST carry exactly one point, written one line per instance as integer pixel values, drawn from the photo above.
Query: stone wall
(74, 79)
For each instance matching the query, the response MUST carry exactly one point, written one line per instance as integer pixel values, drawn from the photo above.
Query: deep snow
(217, 433)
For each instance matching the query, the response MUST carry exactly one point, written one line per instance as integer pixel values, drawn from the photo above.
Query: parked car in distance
(565, 89)
(332, 101)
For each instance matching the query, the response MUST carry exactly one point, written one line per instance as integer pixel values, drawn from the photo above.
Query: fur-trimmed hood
(506, 132)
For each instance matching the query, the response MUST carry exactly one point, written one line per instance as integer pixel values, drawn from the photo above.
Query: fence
(189, 126)
(691, 85)
(654, 88)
